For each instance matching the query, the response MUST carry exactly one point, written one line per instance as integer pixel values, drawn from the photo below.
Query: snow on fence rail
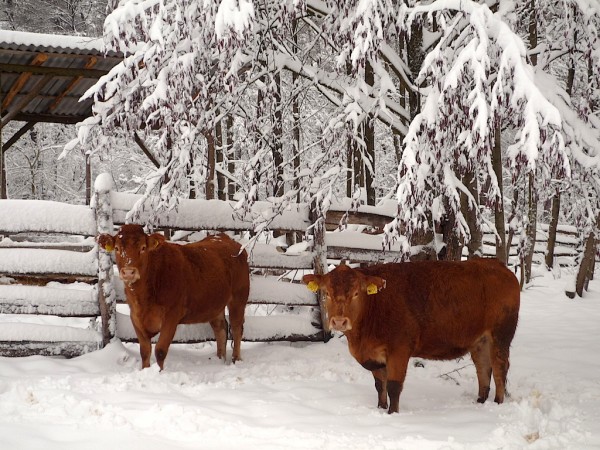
(43, 242)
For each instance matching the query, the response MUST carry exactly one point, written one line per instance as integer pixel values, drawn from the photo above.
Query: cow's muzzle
(339, 323)
(129, 274)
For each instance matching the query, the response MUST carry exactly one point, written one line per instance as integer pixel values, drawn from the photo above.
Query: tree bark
(296, 117)
(552, 229)
(210, 166)
(532, 197)
(501, 252)
(474, 246)
(370, 142)
(231, 156)
(277, 144)
(531, 227)
(586, 265)
(219, 151)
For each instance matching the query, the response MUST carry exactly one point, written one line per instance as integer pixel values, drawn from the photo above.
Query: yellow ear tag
(371, 289)
(313, 286)
(108, 248)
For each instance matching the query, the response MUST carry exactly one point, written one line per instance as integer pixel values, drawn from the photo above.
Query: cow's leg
(502, 336)
(480, 354)
(145, 345)
(380, 376)
(219, 326)
(397, 364)
(167, 332)
(236, 321)
(500, 365)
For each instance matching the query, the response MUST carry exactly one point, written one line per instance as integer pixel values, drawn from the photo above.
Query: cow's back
(199, 278)
(441, 307)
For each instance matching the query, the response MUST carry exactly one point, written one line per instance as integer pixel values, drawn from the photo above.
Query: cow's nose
(339, 323)
(128, 274)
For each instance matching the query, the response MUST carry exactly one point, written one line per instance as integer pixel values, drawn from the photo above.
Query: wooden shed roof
(43, 76)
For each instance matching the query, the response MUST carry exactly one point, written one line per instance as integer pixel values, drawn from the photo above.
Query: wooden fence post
(320, 263)
(106, 290)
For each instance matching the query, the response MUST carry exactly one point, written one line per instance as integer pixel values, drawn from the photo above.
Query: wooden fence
(50, 265)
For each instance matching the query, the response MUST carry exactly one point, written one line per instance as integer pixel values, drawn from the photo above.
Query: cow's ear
(374, 285)
(155, 240)
(106, 241)
(312, 281)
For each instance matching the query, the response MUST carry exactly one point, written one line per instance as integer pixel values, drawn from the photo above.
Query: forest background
(474, 116)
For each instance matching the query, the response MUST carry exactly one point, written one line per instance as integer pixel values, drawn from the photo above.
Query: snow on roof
(51, 42)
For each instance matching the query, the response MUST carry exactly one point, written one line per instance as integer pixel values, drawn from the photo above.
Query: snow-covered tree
(447, 79)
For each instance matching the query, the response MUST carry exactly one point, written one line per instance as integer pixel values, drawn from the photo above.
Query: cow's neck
(137, 293)
(364, 325)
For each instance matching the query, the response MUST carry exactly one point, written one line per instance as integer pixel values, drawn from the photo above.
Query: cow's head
(131, 246)
(345, 291)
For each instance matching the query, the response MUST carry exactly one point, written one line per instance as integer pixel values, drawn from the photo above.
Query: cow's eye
(117, 248)
(143, 248)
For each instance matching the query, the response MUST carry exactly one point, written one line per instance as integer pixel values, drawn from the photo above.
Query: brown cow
(427, 309)
(167, 284)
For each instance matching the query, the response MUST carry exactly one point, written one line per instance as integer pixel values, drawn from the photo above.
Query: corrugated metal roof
(60, 68)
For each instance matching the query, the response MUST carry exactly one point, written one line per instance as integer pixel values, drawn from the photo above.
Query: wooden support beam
(15, 137)
(92, 60)
(54, 71)
(26, 100)
(52, 118)
(39, 59)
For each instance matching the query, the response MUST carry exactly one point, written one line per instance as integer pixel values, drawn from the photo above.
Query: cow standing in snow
(167, 284)
(429, 309)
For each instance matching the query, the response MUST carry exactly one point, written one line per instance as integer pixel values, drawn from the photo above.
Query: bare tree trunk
(219, 151)
(511, 231)
(556, 199)
(499, 208)
(231, 156)
(370, 142)
(452, 251)
(474, 245)
(531, 227)
(552, 229)
(296, 116)
(532, 197)
(587, 263)
(278, 185)
(88, 178)
(2, 171)
(210, 165)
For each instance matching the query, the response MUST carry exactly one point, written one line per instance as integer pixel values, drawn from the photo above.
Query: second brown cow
(167, 284)
(429, 309)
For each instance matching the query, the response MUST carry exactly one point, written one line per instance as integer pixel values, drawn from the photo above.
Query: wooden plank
(16, 87)
(362, 255)
(333, 219)
(18, 299)
(269, 291)
(80, 248)
(256, 329)
(29, 348)
(23, 102)
(45, 278)
(68, 72)
(38, 262)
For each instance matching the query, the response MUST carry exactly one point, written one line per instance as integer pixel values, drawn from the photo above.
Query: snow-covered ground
(315, 396)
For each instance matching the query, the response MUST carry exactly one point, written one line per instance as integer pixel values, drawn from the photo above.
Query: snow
(309, 396)
(46, 216)
(19, 38)
(211, 214)
(38, 261)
